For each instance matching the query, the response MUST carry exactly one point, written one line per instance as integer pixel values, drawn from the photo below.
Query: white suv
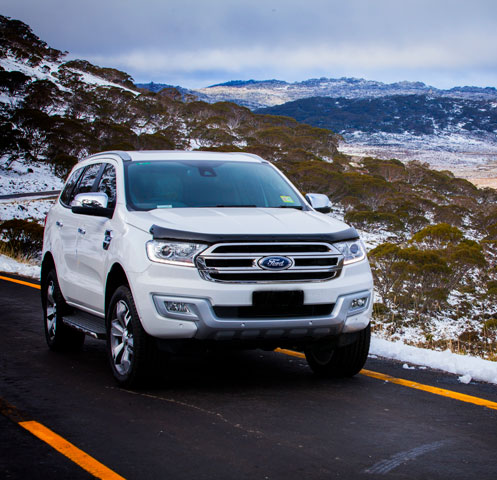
(161, 251)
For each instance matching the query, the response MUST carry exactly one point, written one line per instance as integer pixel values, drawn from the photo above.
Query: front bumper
(344, 318)
(162, 283)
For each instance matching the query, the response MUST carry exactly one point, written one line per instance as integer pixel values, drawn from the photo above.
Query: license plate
(290, 298)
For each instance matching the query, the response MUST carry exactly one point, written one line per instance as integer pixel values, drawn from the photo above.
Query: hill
(413, 114)
(268, 93)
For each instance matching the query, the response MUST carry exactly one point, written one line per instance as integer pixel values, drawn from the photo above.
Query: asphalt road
(250, 415)
(52, 193)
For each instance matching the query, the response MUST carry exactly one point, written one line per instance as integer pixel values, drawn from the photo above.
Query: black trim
(162, 233)
(93, 211)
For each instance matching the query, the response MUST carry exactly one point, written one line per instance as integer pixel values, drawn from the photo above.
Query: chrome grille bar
(239, 262)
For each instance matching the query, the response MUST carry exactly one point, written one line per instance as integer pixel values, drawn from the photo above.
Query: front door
(94, 238)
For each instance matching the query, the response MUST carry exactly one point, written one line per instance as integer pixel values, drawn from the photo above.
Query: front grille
(241, 262)
(273, 311)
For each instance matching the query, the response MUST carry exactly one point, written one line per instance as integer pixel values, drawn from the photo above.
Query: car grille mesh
(240, 262)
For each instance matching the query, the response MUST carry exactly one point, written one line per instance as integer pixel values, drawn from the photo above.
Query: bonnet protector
(162, 233)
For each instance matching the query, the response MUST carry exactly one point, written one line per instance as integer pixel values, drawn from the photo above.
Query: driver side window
(107, 184)
(87, 180)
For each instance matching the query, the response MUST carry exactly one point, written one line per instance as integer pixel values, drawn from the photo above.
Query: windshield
(180, 184)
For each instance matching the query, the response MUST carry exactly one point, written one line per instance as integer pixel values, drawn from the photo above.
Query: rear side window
(66, 193)
(107, 184)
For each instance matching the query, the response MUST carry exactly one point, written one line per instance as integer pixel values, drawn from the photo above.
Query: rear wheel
(132, 352)
(346, 361)
(59, 336)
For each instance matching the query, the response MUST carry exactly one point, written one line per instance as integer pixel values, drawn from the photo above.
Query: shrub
(438, 235)
(22, 237)
(367, 217)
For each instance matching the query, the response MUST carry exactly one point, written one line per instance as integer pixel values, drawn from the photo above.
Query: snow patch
(25, 176)
(462, 365)
(9, 265)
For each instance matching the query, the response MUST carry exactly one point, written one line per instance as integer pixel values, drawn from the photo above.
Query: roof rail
(120, 153)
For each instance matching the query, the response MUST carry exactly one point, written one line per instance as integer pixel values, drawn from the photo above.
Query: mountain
(268, 93)
(450, 129)
(158, 87)
(414, 114)
(432, 236)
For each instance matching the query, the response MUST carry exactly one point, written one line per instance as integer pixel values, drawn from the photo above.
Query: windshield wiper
(297, 207)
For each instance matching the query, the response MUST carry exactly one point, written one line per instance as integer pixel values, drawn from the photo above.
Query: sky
(196, 43)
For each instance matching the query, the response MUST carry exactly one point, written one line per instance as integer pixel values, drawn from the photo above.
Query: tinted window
(174, 184)
(66, 193)
(107, 184)
(87, 180)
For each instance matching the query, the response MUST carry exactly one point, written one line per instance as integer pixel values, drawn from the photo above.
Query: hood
(223, 224)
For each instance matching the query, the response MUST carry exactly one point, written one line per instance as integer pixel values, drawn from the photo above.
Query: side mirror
(92, 203)
(90, 199)
(318, 201)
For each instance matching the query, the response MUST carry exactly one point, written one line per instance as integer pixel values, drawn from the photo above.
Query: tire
(132, 353)
(59, 336)
(346, 361)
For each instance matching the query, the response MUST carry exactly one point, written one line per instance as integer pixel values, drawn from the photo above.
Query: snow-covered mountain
(267, 93)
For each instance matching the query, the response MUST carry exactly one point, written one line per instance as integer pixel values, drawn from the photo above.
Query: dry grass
(484, 182)
(8, 251)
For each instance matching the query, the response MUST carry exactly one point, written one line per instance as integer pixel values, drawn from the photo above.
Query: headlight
(175, 253)
(352, 251)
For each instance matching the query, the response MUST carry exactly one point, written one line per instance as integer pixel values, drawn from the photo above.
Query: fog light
(358, 302)
(177, 307)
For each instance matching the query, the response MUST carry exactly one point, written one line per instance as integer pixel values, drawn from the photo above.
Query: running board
(86, 323)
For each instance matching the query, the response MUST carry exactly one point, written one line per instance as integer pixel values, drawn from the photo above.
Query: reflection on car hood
(238, 221)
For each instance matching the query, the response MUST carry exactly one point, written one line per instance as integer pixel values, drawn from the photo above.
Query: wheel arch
(115, 278)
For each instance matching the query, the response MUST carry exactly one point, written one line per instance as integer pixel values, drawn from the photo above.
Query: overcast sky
(195, 43)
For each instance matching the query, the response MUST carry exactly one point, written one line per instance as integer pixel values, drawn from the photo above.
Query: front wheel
(346, 361)
(131, 351)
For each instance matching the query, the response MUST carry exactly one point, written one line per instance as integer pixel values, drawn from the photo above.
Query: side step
(86, 323)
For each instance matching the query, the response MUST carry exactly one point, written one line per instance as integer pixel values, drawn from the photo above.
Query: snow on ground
(25, 209)
(47, 71)
(466, 367)
(466, 156)
(9, 265)
(24, 177)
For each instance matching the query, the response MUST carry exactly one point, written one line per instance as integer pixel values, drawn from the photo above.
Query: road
(249, 415)
(52, 193)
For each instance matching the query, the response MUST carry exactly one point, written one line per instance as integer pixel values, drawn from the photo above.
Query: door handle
(82, 231)
(59, 224)
(107, 239)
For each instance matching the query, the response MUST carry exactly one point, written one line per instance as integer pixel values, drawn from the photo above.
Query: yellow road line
(410, 384)
(290, 352)
(67, 449)
(435, 390)
(21, 282)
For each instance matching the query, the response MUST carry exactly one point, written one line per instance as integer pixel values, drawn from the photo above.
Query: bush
(366, 218)
(22, 237)
(62, 164)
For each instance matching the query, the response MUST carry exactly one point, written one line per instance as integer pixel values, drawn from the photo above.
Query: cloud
(305, 57)
(287, 39)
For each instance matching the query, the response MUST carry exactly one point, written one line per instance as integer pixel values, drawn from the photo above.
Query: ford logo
(275, 263)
